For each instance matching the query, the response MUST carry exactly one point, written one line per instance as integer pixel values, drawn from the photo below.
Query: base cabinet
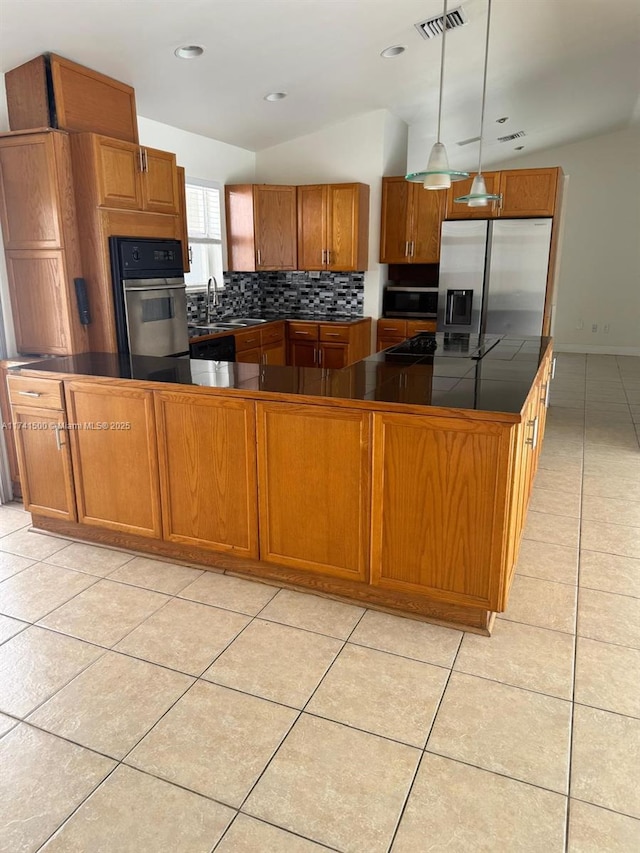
(45, 463)
(313, 486)
(441, 533)
(207, 455)
(114, 457)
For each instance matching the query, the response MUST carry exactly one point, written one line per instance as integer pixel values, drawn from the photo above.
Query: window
(204, 228)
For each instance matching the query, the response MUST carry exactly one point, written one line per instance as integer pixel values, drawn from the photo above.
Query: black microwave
(401, 300)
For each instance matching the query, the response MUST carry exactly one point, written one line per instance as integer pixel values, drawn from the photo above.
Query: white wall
(201, 157)
(599, 277)
(360, 149)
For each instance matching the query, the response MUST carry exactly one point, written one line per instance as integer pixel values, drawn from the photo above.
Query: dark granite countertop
(498, 382)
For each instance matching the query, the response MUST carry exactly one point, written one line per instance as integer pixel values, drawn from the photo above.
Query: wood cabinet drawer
(304, 330)
(272, 333)
(335, 334)
(392, 328)
(39, 393)
(247, 340)
(414, 327)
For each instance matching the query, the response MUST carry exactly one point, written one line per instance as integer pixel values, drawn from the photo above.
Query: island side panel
(440, 507)
(314, 488)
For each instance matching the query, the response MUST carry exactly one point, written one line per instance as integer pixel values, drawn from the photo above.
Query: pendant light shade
(438, 175)
(478, 196)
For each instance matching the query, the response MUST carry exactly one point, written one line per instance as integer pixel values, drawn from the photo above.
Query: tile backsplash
(246, 293)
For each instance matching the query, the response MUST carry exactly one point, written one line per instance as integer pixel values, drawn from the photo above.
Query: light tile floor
(152, 707)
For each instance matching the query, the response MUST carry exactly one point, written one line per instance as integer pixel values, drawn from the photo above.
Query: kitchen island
(400, 482)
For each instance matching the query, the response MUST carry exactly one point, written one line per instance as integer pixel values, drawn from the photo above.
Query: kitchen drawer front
(392, 328)
(335, 334)
(247, 340)
(414, 327)
(272, 333)
(39, 393)
(303, 331)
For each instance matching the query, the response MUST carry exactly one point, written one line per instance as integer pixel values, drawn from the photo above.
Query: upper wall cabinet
(124, 175)
(525, 192)
(410, 223)
(261, 227)
(333, 227)
(50, 91)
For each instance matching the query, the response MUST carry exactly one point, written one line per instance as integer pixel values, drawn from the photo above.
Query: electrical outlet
(314, 274)
(605, 328)
(594, 328)
(579, 325)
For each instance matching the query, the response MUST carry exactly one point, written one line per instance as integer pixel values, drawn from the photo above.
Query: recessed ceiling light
(189, 51)
(275, 96)
(502, 120)
(518, 148)
(394, 50)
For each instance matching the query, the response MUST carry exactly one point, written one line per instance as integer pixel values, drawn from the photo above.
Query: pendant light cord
(484, 86)
(444, 42)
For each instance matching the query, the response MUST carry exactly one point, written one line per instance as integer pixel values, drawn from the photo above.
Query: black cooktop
(458, 344)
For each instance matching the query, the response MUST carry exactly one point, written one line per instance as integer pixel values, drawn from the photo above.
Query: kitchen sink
(246, 321)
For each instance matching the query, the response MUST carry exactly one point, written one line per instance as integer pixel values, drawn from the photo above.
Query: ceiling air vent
(468, 141)
(433, 27)
(511, 136)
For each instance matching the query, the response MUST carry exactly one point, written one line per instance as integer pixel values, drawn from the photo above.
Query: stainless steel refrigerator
(493, 276)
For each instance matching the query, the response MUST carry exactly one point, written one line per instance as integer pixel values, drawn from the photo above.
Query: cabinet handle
(328, 257)
(411, 248)
(30, 393)
(333, 334)
(324, 256)
(302, 333)
(553, 368)
(56, 430)
(320, 357)
(546, 396)
(141, 159)
(533, 438)
(259, 257)
(406, 249)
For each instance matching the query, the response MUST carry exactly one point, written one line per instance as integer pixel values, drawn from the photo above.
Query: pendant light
(438, 175)
(478, 195)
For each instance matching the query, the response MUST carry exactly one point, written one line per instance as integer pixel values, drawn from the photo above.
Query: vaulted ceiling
(560, 69)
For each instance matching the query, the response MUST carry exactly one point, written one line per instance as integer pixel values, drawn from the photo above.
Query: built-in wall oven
(149, 296)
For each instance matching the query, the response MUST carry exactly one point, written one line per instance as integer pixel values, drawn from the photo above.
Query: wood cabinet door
(343, 227)
(115, 460)
(250, 356)
(384, 343)
(313, 476)
(333, 356)
(274, 353)
(275, 217)
(303, 353)
(312, 227)
(119, 170)
(426, 218)
(160, 189)
(528, 192)
(394, 224)
(29, 202)
(463, 211)
(44, 462)
(40, 302)
(441, 533)
(208, 479)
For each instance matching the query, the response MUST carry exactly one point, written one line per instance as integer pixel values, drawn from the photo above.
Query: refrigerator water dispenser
(459, 305)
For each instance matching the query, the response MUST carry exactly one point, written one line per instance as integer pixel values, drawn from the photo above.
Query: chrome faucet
(216, 299)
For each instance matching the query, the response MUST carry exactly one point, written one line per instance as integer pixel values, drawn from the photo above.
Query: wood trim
(552, 272)
(422, 608)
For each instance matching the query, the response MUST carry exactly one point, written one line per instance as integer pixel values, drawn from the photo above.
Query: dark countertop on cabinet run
(498, 382)
(197, 330)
